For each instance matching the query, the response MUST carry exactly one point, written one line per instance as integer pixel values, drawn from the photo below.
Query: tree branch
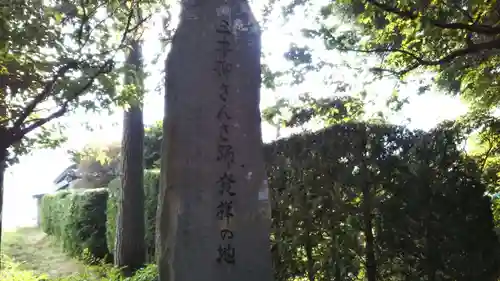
(18, 133)
(419, 61)
(485, 156)
(474, 48)
(72, 65)
(127, 30)
(49, 86)
(477, 28)
(92, 14)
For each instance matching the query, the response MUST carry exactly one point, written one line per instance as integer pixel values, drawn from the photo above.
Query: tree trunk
(130, 248)
(430, 250)
(371, 266)
(311, 274)
(366, 206)
(308, 224)
(3, 165)
(214, 209)
(4, 145)
(161, 214)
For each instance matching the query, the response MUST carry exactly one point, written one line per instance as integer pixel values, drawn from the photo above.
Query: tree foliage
(56, 57)
(484, 148)
(422, 196)
(326, 111)
(153, 135)
(96, 164)
(455, 41)
(106, 158)
(449, 44)
(458, 40)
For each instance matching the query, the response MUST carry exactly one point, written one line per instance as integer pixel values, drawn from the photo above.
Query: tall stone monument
(214, 214)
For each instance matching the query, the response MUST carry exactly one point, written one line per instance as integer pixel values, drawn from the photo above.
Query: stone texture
(190, 231)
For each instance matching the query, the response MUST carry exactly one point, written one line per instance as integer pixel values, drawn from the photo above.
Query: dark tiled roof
(63, 175)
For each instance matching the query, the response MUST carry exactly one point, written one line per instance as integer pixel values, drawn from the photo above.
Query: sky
(35, 172)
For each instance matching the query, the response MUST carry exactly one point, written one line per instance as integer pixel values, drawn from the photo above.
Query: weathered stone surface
(212, 153)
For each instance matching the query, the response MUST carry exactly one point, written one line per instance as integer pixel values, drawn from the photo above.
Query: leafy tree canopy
(56, 57)
(153, 136)
(110, 154)
(425, 198)
(327, 111)
(459, 40)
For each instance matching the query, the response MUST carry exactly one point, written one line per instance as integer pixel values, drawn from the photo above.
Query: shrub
(108, 272)
(45, 211)
(12, 271)
(111, 211)
(151, 188)
(148, 273)
(105, 272)
(421, 188)
(84, 221)
(78, 220)
(90, 222)
(53, 214)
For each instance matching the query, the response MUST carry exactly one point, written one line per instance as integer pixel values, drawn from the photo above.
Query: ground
(32, 250)
(30, 255)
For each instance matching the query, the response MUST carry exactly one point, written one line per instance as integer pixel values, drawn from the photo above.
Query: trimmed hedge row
(151, 188)
(85, 221)
(318, 202)
(78, 220)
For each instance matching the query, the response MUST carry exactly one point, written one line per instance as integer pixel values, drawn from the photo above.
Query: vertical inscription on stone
(226, 253)
(214, 208)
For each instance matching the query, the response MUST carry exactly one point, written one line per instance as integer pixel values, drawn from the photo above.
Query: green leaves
(299, 55)
(439, 36)
(457, 41)
(152, 145)
(419, 186)
(329, 111)
(55, 58)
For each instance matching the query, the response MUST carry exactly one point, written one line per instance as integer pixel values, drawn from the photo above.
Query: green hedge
(319, 207)
(78, 220)
(52, 217)
(151, 187)
(113, 187)
(87, 219)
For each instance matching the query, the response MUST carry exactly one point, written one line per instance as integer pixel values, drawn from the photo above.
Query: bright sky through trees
(35, 172)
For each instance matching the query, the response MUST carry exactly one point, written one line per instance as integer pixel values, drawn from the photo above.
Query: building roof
(61, 182)
(62, 176)
(38, 196)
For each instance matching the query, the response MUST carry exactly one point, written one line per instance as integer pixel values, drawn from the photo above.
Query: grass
(31, 250)
(30, 255)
